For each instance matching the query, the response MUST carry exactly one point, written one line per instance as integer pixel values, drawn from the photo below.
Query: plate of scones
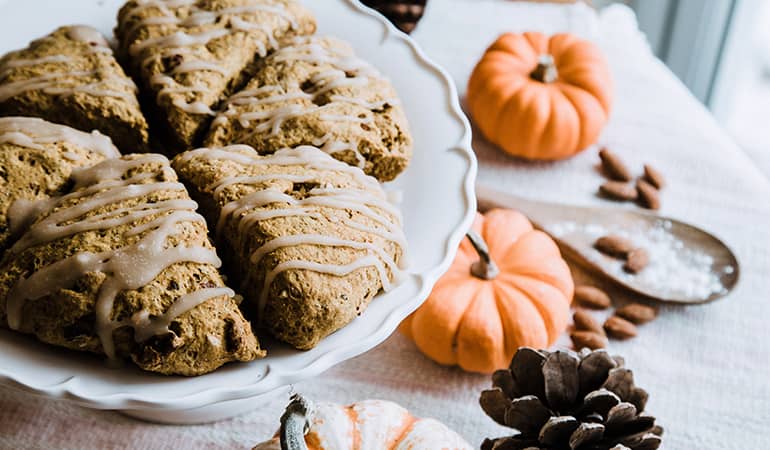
(205, 201)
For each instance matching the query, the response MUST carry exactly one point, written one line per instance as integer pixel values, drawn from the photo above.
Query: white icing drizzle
(171, 86)
(180, 41)
(130, 267)
(67, 82)
(147, 327)
(347, 71)
(331, 269)
(51, 83)
(84, 33)
(248, 210)
(329, 145)
(240, 24)
(36, 133)
(7, 66)
(23, 212)
(22, 140)
(197, 65)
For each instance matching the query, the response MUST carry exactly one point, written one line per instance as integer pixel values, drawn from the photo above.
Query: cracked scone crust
(36, 159)
(123, 266)
(191, 54)
(315, 91)
(71, 77)
(309, 239)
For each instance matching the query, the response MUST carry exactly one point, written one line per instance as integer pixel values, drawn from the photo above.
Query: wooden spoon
(577, 228)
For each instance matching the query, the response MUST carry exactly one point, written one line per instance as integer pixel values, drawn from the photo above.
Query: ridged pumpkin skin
(535, 119)
(373, 424)
(478, 324)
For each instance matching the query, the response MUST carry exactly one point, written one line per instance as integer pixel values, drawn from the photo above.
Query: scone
(191, 54)
(122, 265)
(36, 159)
(309, 239)
(315, 91)
(71, 77)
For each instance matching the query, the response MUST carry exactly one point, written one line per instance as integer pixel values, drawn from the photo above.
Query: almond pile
(636, 258)
(621, 325)
(645, 191)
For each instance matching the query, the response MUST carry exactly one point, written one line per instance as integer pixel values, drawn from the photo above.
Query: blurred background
(721, 50)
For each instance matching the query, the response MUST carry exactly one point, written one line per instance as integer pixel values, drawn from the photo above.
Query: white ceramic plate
(438, 204)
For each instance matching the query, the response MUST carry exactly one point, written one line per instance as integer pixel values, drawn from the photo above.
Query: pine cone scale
(527, 414)
(557, 430)
(503, 379)
(527, 371)
(600, 402)
(495, 404)
(586, 433)
(594, 369)
(560, 373)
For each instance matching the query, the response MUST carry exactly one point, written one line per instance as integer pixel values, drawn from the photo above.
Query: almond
(649, 197)
(654, 177)
(613, 166)
(619, 328)
(589, 339)
(636, 260)
(614, 245)
(618, 190)
(584, 321)
(592, 297)
(637, 313)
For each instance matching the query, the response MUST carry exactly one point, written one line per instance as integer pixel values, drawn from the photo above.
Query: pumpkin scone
(122, 266)
(315, 91)
(71, 77)
(310, 240)
(190, 55)
(36, 159)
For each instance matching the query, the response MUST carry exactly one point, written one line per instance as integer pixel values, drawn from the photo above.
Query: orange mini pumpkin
(513, 293)
(539, 97)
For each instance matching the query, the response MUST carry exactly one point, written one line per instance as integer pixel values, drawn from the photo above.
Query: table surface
(707, 368)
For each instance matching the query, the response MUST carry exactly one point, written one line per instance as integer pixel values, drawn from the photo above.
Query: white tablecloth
(707, 368)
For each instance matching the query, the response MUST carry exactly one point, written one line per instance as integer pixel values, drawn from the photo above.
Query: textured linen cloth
(707, 368)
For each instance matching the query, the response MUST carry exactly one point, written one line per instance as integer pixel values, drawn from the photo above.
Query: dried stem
(484, 268)
(545, 71)
(295, 423)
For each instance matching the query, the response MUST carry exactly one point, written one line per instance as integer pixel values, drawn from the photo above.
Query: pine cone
(569, 401)
(403, 13)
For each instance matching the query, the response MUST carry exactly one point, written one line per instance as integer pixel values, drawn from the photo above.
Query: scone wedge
(315, 91)
(122, 266)
(71, 77)
(189, 55)
(310, 240)
(36, 159)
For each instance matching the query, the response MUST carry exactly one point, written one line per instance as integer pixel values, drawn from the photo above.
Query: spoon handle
(539, 213)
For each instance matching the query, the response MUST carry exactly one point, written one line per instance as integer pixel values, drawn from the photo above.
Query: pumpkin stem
(295, 423)
(545, 71)
(484, 268)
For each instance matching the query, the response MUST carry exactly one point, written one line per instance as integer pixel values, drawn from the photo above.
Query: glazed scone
(315, 91)
(71, 77)
(36, 159)
(123, 266)
(189, 55)
(309, 239)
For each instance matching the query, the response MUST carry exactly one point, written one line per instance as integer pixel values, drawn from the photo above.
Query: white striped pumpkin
(370, 425)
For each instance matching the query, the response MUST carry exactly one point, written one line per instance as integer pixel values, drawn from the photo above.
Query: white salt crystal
(674, 271)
